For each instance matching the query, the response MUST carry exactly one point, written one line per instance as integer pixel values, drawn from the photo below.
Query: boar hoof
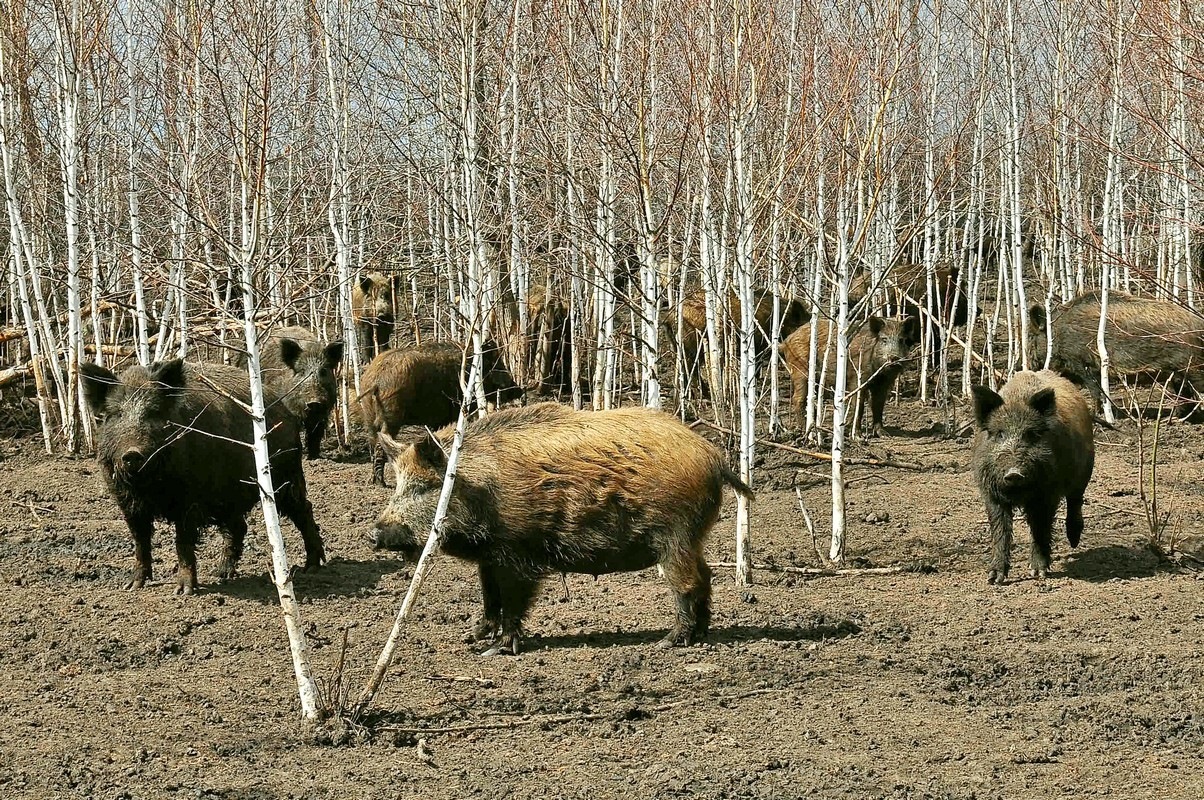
(505, 646)
(137, 582)
(185, 589)
(1040, 573)
(226, 572)
(675, 638)
(997, 576)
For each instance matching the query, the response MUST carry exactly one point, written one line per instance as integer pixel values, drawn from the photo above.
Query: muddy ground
(918, 684)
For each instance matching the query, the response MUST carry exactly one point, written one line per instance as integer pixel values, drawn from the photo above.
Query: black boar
(1144, 337)
(301, 371)
(173, 448)
(421, 385)
(878, 354)
(372, 312)
(546, 489)
(1034, 446)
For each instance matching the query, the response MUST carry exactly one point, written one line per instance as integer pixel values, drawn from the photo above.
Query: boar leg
(491, 598)
(1074, 518)
(378, 463)
(516, 593)
(234, 533)
(294, 503)
(879, 392)
(1000, 517)
(187, 533)
(690, 579)
(143, 528)
(1040, 518)
(315, 429)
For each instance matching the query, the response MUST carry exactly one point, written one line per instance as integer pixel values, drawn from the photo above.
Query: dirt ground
(921, 684)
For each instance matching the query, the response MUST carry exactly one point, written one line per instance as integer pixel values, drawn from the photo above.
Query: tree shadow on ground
(1113, 561)
(337, 578)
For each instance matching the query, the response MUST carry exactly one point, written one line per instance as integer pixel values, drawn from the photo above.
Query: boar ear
(430, 453)
(986, 401)
(98, 382)
(365, 284)
(391, 447)
(334, 353)
(876, 325)
(911, 329)
(169, 373)
(1036, 317)
(290, 351)
(1044, 402)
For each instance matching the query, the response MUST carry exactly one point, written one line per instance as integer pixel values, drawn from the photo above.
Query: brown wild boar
(545, 489)
(1034, 446)
(878, 354)
(421, 385)
(372, 312)
(301, 370)
(1145, 337)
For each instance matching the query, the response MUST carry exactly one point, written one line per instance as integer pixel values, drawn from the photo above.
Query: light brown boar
(372, 313)
(878, 354)
(793, 313)
(545, 489)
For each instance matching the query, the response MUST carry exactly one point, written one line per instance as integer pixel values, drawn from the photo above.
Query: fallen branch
(10, 374)
(496, 726)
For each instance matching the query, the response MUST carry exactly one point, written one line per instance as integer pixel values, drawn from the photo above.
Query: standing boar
(1144, 337)
(421, 385)
(878, 354)
(301, 371)
(793, 313)
(546, 489)
(173, 448)
(1034, 446)
(372, 312)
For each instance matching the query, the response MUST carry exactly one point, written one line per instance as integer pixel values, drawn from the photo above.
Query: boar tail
(733, 480)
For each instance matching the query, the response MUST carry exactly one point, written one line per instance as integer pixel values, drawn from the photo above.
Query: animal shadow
(731, 634)
(1113, 561)
(337, 578)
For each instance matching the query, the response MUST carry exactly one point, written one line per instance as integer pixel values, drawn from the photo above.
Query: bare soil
(921, 684)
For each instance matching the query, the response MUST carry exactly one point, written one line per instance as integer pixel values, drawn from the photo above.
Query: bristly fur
(1034, 447)
(546, 489)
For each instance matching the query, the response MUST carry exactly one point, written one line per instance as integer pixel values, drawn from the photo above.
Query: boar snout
(1013, 478)
(399, 538)
(133, 459)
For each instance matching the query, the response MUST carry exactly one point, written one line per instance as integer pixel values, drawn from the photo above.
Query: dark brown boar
(1034, 446)
(301, 371)
(878, 353)
(545, 489)
(1145, 338)
(173, 448)
(421, 385)
(372, 312)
